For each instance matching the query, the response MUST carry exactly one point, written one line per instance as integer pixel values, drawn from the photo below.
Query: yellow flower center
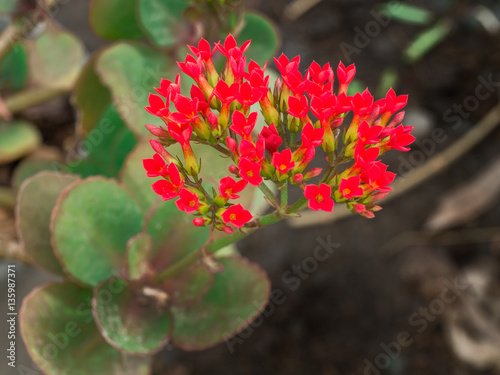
(232, 217)
(319, 198)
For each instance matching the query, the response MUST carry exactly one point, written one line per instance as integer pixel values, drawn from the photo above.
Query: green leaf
(408, 13)
(173, 235)
(130, 71)
(236, 298)
(90, 97)
(55, 58)
(36, 199)
(133, 175)
(91, 225)
(17, 139)
(130, 321)
(14, 69)
(104, 149)
(190, 286)
(163, 21)
(427, 40)
(139, 250)
(59, 332)
(264, 36)
(115, 19)
(7, 6)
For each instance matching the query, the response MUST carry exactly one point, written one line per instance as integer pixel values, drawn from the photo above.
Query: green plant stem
(269, 195)
(284, 195)
(216, 245)
(29, 97)
(298, 206)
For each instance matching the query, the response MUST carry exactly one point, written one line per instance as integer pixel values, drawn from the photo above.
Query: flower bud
(312, 173)
(298, 178)
(202, 221)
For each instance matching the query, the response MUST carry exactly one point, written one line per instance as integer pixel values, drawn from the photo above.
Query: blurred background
(414, 291)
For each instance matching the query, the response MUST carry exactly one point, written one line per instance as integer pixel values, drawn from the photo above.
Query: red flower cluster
(302, 114)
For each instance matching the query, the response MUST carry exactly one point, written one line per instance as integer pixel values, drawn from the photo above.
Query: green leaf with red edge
(90, 97)
(115, 19)
(35, 201)
(163, 21)
(128, 320)
(133, 174)
(17, 139)
(59, 332)
(33, 164)
(55, 58)
(91, 224)
(14, 69)
(139, 250)
(130, 71)
(236, 298)
(106, 147)
(264, 35)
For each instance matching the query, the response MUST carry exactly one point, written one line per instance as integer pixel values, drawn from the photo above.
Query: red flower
(394, 103)
(226, 94)
(271, 138)
(312, 137)
(155, 167)
(250, 171)
(362, 103)
(249, 95)
(168, 89)
(180, 132)
(242, 125)
(203, 51)
(365, 157)
(192, 67)
(169, 189)
(320, 75)
(350, 187)
(188, 201)
(400, 138)
(237, 216)
(252, 152)
(157, 106)
(229, 187)
(298, 107)
(285, 65)
(378, 177)
(319, 197)
(345, 76)
(282, 161)
(231, 49)
(369, 134)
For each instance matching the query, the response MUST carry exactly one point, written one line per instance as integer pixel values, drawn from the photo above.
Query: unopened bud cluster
(303, 115)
